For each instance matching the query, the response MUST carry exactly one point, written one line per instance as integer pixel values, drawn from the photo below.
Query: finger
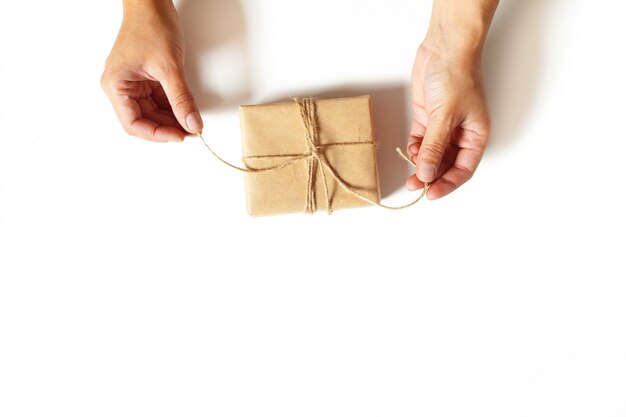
(150, 111)
(165, 112)
(159, 96)
(463, 169)
(416, 136)
(432, 148)
(413, 147)
(181, 100)
(147, 129)
(129, 113)
(413, 183)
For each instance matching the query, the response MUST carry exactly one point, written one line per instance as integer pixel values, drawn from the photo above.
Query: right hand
(144, 75)
(451, 123)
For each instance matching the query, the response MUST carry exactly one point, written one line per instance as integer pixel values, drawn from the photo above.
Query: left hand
(144, 75)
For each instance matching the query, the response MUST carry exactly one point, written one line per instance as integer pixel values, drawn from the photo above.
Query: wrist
(458, 29)
(147, 7)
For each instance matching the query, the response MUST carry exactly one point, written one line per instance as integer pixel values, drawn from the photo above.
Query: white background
(133, 282)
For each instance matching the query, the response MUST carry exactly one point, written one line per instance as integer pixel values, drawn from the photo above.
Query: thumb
(180, 98)
(431, 150)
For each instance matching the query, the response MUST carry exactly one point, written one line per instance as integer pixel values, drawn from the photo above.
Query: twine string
(315, 159)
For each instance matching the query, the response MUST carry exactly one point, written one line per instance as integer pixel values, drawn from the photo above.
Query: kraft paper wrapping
(277, 129)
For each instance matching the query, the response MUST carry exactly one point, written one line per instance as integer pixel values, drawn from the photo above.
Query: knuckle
(129, 128)
(160, 69)
(487, 129)
(452, 184)
(167, 65)
(166, 68)
(432, 152)
(183, 99)
(440, 116)
(104, 81)
(467, 173)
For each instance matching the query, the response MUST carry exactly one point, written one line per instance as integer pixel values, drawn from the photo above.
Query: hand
(450, 127)
(144, 75)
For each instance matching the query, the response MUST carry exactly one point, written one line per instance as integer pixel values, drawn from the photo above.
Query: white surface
(132, 282)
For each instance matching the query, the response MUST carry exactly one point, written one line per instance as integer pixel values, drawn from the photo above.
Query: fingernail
(194, 122)
(411, 186)
(426, 172)
(413, 148)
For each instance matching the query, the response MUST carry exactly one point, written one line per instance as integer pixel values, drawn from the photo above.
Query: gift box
(308, 155)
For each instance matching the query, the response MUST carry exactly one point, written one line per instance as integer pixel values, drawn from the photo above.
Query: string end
(406, 158)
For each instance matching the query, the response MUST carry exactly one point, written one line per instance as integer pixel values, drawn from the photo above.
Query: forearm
(155, 18)
(133, 7)
(458, 28)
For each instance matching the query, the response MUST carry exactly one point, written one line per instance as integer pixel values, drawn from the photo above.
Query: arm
(451, 126)
(144, 75)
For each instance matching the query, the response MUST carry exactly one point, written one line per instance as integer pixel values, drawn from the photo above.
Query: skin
(451, 126)
(144, 75)
(144, 78)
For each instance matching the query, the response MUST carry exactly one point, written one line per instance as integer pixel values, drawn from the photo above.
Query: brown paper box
(277, 129)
